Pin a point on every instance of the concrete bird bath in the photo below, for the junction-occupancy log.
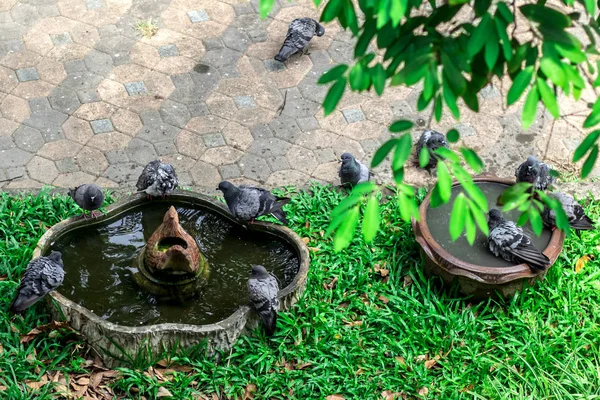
(156, 275)
(477, 271)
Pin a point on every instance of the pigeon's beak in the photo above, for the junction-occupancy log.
(340, 160)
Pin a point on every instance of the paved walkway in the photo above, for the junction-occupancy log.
(84, 98)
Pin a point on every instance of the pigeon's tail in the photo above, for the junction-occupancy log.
(277, 210)
(20, 304)
(268, 315)
(285, 52)
(72, 192)
(280, 215)
(536, 260)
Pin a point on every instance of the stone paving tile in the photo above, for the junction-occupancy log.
(83, 98)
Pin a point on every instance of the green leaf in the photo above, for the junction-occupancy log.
(383, 151)
(453, 136)
(573, 53)
(455, 77)
(513, 192)
(536, 221)
(369, 31)
(553, 69)
(585, 146)
(436, 199)
(401, 125)
(506, 14)
(350, 201)
(457, 2)
(479, 217)
(407, 205)
(378, 77)
(333, 74)
(501, 31)
(437, 108)
(530, 107)
(546, 16)
(519, 85)
(372, 219)
(481, 6)
(444, 182)
(471, 231)
(492, 49)
(479, 36)
(590, 6)
(397, 11)
(450, 99)
(424, 157)
(383, 13)
(594, 118)
(350, 16)
(548, 97)
(265, 7)
(447, 154)
(523, 218)
(472, 159)
(331, 10)
(343, 235)
(588, 165)
(334, 96)
(402, 151)
(359, 78)
(457, 216)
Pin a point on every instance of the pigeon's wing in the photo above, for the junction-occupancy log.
(167, 178)
(247, 204)
(300, 32)
(545, 180)
(365, 174)
(514, 241)
(148, 176)
(263, 295)
(575, 212)
(40, 278)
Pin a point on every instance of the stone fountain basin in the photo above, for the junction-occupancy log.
(116, 342)
(496, 277)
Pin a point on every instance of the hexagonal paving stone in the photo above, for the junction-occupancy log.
(66, 165)
(274, 65)
(244, 102)
(197, 16)
(213, 140)
(64, 100)
(230, 171)
(28, 139)
(126, 172)
(102, 126)
(353, 115)
(169, 50)
(174, 113)
(141, 151)
(27, 74)
(14, 158)
(60, 39)
(91, 161)
(135, 88)
(42, 170)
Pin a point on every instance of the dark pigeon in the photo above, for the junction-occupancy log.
(352, 172)
(89, 197)
(508, 241)
(299, 34)
(43, 275)
(431, 140)
(262, 292)
(576, 214)
(157, 179)
(248, 202)
(535, 172)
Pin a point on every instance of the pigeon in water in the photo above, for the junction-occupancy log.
(89, 197)
(431, 140)
(43, 275)
(262, 292)
(508, 241)
(157, 179)
(248, 202)
(352, 171)
(299, 34)
(535, 172)
(575, 213)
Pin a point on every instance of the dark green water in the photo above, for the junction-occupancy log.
(98, 265)
(438, 219)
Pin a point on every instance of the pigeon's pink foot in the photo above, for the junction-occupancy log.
(164, 196)
(251, 221)
(149, 197)
(553, 228)
(95, 214)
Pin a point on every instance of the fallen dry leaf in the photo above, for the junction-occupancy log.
(331, 284)
(422, 357)
(163, 363)
(305, 240)
(384, 299)
(3, 278)
(163, 392)
(1, 349)
(334, 397)
(467, 388)
(110, 373)
(36, 385)
(359, 371)
(400, 360)
(95, 379)
(407, 281)
(353, 323)
(430, 363)
(3, 388)
(423, 391)
(303, 366)
(384, 272)
(581, 263)
(182, 368)
(307, 224)
(314, 249)
(389, 395)
(249, 391)
(52, 326)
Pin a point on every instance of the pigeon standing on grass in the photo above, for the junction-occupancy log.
(262, 292)
(299, 34)
(431, 140)
(89, 197)
(352, 172)
(248, 202)
(157, 179)
(43, 275)
(508, 241)
(536, 173)
(575, 213)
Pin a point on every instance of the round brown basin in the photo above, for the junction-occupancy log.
(481, 281)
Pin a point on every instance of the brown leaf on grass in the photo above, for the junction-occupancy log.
(163, 392)
(384, 299)
(389, 395)
(182, 368)
(303, 366)
(214, 396)
(400, 360)
(305, 240)
(331, 284)
(3, 388)
(334, 397)
(423, 391)
(110, 373)
(353, 323)
(1, 349)
(163, 363)
(3, 277)
(14, 329)
(52, 326)
(430, 363)
(31, 357)
(468, 388)
(421, 357)
(384, 272)
(249, 391)
(314, 249)
(581, 262)
(407, 281)
(95, 379)
(37, 384)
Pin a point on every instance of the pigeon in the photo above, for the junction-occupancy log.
(575, 213)
(508, 241)
(535, 172)
(89, 197)
(262, 292)
(431, 140)
(248, 202)
(352, 172)
(157, 179)
(299, 34)
(43, 275)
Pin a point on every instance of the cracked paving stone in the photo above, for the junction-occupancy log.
(60, 39)
(102, 126)
(213, 140)
(230, 171)
(169, 50)
(353, 115)
(135, 88)
(244, 102)
(197, 16)
(27, 74)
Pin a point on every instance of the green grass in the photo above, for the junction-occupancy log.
(543, 344)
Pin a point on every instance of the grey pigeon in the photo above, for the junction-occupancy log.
(248, 202)
(299, 34)
(535, 172)
(508, 241)
(157, 179)
(352, 172)
(575, 213)
(262, 292)
(431, 140)
(43, 275)
(89, 197)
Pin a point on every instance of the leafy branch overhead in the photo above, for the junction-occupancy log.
(454, 50)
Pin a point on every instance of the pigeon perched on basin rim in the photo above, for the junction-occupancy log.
(88, 196)
(352, 172)
(157, 179)
(536, 173)
(299, 34)
(262, 293)
(575, 213)
(432, 140)
(508, 241)
(42, 275)
(248, 202)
